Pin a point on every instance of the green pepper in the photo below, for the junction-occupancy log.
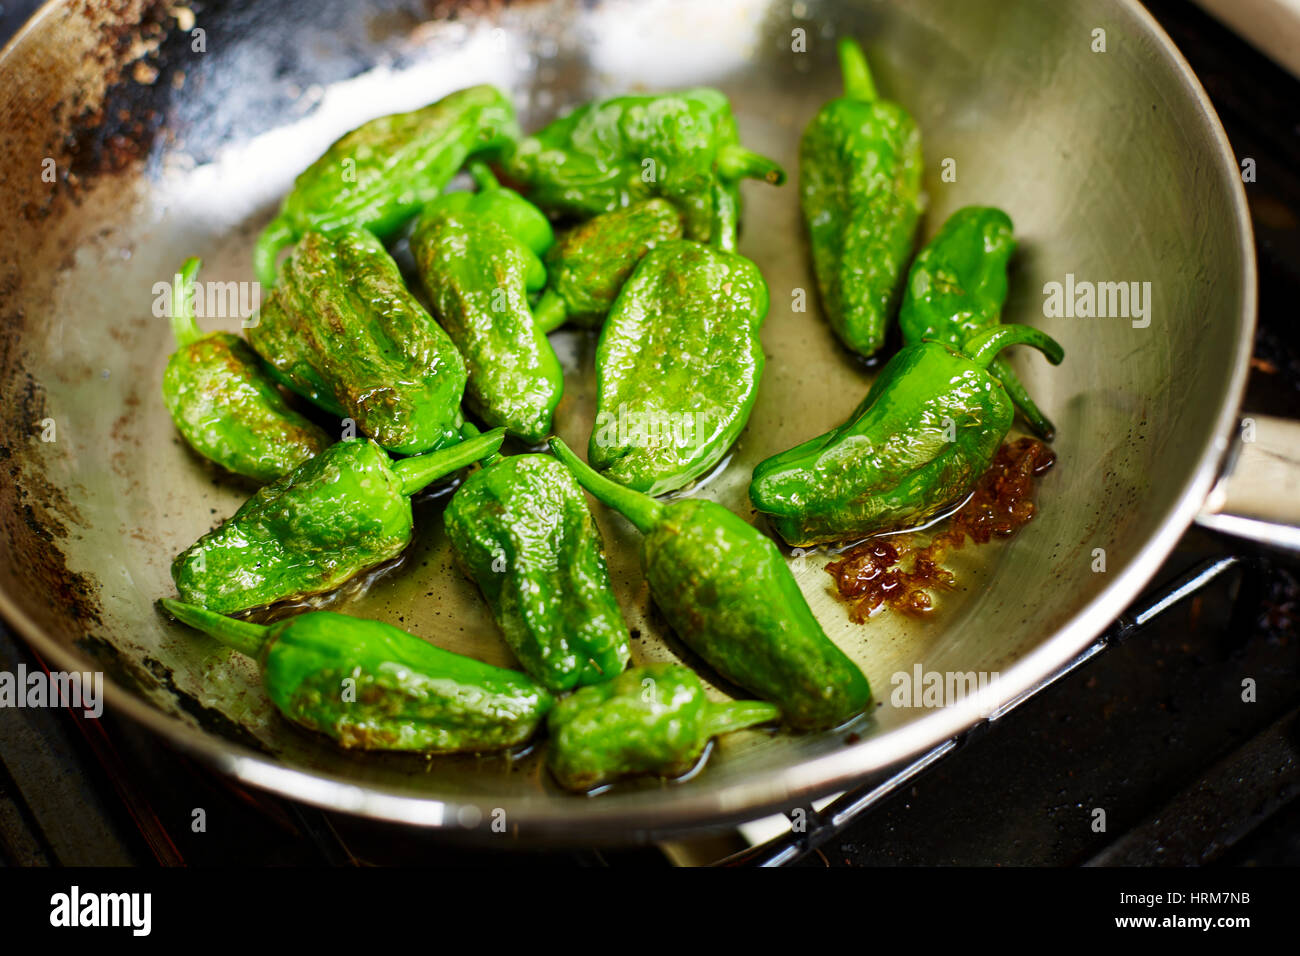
(655, 719)
(860, 187)
(492, 202)
(521, 527)
(914, 447)
(223, 402)
(379, 175)
(371, 686)
(677, 366)
(609, 154)
(478, 257)
(727, 592)
(956, 289)
(334, 516)
(343, 331)
(588, 265)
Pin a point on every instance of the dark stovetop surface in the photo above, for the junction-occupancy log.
(1153, 731)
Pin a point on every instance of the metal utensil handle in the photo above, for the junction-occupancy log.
(1258, 496)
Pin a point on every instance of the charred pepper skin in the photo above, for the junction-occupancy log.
(916, 446)
(612, 153)
(956, 289)
(681, 352)
(728, 593)
(522, 529)
(410, 696)
(655, 719)
(378, 176)
(343, 331)
(478, 258)
(589, 263)
(860, 170)
(334, 516)
(223, 402)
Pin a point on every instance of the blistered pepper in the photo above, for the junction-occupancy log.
(223, 401)
(860, 172)
(956, 288)
(334, 516)
(655, 719)
(677, 366)
(609, 154)
(478, 257)
(379, 175)
(914, 447)
(368, 685)
(589, 263)
(521, 527)
(343, 331)
(727, 592)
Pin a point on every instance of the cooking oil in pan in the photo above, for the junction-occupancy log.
(426, 592)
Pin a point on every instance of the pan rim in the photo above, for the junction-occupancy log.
(648, 815)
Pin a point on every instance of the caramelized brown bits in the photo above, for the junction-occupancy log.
(872, 573)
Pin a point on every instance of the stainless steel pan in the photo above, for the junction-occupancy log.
(1111, 163)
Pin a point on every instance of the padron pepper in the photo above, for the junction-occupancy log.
(404, 694)
(655, 719)
(915, 447)
(589, 263)
(334, 516)
(728, 594)
(478, 257)
(379, 175)
(343, 331)
(521, 527)
(956, 288)
(677, 366)
(609, 154)
(223, 401)
(860, 172)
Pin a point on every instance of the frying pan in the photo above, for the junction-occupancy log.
(165, 142)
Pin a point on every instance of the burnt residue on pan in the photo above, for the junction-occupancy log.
(210, 719)
(119, 131)
(107, 123)
(142, 54)
(34, 512)
(91, 101)
(77, 112)
(152, 676)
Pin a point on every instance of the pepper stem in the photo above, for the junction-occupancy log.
(550, 312)
(482, 175)
(736, 162)
(423, 470)
(984, 348)
(184, 326)
(469, 430)
(244, 636)
(1039, 423)
(858, 84)
(642, 510)
(725, 217)
(278, 234)
(737, 715)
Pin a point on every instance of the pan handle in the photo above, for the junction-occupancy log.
(1258, 495)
